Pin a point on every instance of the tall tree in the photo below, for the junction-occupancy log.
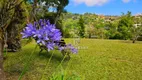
(7, 10)
(137, 28)
(52, 10)
(124, 25)
(14, 28)
(82, 26)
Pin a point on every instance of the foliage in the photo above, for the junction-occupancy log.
(112, 32)
(47, 9)
(124, 26)
(99, 26)
(82, 27)
(90, 30)
(137, 28)
(70, 28)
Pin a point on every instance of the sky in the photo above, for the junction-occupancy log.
(105, 7)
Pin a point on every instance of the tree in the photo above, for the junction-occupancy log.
(14, 28)
(70, 26)
(111, 30)
(90, 30)
(7, 12)
(82, 27)
(99, 25)
(124, 26)
(52, 10)
(137, 28)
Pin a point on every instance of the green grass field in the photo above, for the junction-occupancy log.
(96, 60)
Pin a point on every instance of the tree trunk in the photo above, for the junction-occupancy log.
(133, 40)
(2, 75)
(89, 35)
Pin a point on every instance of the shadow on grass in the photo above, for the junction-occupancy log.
(130, 42)
(57, 56)
(15, 62)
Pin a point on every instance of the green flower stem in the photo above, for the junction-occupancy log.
(46, 66)
(26, 65)
(62, 61)
(61, 64)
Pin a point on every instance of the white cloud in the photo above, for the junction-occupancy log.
(91, 2)
(97, 2)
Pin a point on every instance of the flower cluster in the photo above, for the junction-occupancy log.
(68, 48)
(45, 34)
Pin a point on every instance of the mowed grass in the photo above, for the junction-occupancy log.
(96, 60)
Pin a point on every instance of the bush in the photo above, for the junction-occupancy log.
(139, 38)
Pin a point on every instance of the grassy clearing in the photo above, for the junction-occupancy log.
(96, 60)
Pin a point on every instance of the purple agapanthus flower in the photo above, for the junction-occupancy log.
(43, 32)
(69, 48)
(72, 49)
(46, 35)
(29, 31)
(50, 45)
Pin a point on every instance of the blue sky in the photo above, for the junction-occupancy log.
(106, 7)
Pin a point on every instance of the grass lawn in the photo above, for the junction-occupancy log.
(96, 60)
